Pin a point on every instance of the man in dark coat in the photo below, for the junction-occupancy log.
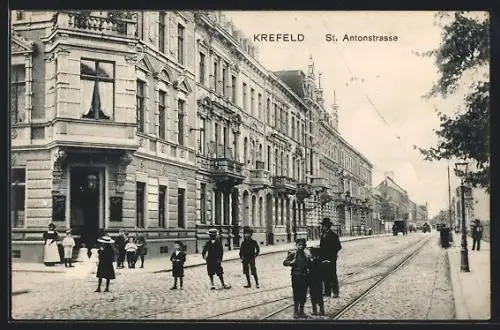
(329, 249)
(477, 234)
(249, 250)
(120, 242)
(212, 253)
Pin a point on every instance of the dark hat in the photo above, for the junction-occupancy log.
(105, 240)
(179, 243)
(247, 229)
(52, 225)
(477, 221)
(300, 240)
(212, 232)
(326, 221)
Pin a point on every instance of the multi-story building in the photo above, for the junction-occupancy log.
(422, 216)
(395, 201)
(165, 123)
(339, 175)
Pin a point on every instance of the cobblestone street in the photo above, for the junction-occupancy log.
(138, 294)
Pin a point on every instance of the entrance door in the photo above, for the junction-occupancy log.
(85, 204)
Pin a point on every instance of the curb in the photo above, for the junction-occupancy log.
(201, 263)
(461, 312)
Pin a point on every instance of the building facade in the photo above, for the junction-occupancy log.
(166, 124)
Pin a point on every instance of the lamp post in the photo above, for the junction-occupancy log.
(464, 264)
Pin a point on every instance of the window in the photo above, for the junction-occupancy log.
(162, 195)
(19, 15)
(203, 203)
(216, 76)
(161, 36)
(202, 68)
(268, 110)
(252, 101)
(244, 96)
(181, 192)
(216, 131)
(233, 88)
(180, 122)
(269, 158)
(140, 106)
(201, 137)
(97, 88)
(161, 109)
(293, 128)
(18, 196)
(224, 87)
(259, 106)
(180, 44)
(275, 115)
(17, 92)
(140, 191)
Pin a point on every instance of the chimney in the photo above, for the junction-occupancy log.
(389, 174)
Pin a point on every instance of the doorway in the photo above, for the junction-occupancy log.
(86, 207)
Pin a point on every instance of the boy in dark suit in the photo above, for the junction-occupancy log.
(300, 261)
(316, 282)
(249, 250)
(212, 253)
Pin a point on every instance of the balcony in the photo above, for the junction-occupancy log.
(119, 25)
(284, 185)
(227, 171)
(304, 190)
(259, 176)
(319, 183)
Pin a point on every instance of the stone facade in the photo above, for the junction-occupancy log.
(166, 124)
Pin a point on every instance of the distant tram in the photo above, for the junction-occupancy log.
(400, 227)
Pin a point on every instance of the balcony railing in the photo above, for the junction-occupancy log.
(227, 166)
(321, 183)
(285, 184)
(304, 190)
(96, 24)
(259, 177)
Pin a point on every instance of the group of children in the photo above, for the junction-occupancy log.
(306, 269)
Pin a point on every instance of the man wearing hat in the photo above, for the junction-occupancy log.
(329, 249)
(68, 243)
(249, 250)
(477, 234)
(212, 253)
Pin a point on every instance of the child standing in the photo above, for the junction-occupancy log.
(94, 255)
(249, 250)
(316, 282)
(142, 248)
(300, 261)
(178, 259)
(68, 244)
(83, 254)
(212, 253)
(131, 249)
(105, 267)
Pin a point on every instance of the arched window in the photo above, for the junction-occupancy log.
(245, 151)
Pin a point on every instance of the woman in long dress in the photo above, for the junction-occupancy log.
(50, 250)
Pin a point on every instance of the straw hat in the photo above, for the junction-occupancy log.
(212, 232)
(106, 240)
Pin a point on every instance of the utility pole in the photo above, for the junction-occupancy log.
(449, 198)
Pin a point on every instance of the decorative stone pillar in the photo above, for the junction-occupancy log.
(121, 172)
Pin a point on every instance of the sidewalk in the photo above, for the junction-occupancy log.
(163, 264)
(472, 290)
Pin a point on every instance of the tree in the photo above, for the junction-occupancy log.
(464, 49)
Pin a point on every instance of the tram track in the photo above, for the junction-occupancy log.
(254, 306)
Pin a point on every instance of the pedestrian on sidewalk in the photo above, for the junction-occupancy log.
(316, 282)
(68, 244)
(105, 267)
(477, 234)
(329, 249)
(213, 253)
(50, 250)
(94, 257)
(444, 235)
(300, 261)
(249, 250)
(142, 248)
(120, 242)
(131, 249)
(178, 259)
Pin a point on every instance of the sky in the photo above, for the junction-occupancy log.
(389, 74)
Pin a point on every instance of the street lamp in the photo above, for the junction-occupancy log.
(464, 265)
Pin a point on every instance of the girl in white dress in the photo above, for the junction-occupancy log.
(94, 258)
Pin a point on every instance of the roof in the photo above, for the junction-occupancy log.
(293, 79)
